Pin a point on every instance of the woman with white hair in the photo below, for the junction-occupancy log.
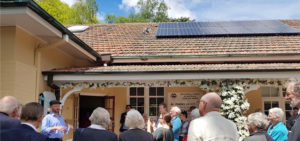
(135, 122)
(176, 122)
(257, 123)
(100, 120)
(277, 129)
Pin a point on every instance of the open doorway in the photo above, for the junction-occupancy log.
(86, 107)
(86, 104)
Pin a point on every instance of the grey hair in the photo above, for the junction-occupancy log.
(259, 120)
(277, 112)
(176, 109)
(100, 116)
(134, 119)
(295, 85)
(8, 104)
(195, 114)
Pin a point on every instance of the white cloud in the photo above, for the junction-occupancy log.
(212, 10)
(69, 2)
(128, 4)
(181, 8)
(100, 16)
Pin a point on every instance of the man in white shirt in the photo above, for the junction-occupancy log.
(212, 126)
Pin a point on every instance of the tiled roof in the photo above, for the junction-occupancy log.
(182, 68)
(129, 40)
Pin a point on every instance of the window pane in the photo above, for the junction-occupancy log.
(265, 91)
(160, 91)
(152, 91)
(141, 109)
(140, 91)
(152, 111)
(160, 100)
(267, 105)
(140, 101)
(274, 92)
(133, 101)
(132, 91)
(283, 92)
(152, 102)
(275, 104)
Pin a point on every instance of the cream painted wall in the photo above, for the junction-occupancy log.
(22, 66)
(120, 94)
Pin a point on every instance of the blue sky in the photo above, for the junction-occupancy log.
(210, 10)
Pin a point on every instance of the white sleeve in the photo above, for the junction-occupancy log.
(194, 133)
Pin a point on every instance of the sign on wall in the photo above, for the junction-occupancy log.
(184, 100)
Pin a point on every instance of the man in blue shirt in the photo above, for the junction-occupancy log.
(176, 122)
(53, 124)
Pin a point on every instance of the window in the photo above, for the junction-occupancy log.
(137, 100)
(146, 99)
(156, 96)
(274, 97)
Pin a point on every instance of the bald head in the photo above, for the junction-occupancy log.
(8, 104)
(213, 100)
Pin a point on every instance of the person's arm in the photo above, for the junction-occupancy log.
(46, 129)
(176, 126)
(157, 134)
(193, 132)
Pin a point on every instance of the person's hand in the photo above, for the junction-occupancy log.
(61, 128)
(70, 126)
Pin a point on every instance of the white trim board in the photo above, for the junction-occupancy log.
(173, 76)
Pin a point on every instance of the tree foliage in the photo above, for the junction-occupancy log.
(148, 11)
(82, 12)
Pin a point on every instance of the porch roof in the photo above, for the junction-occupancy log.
(179, 68)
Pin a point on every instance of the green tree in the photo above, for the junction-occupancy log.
(86, 11)
(161, 14)
(110, 18)
(59, 10)
(147, 8)
(122, 19)
(181, 19)
(82, 12)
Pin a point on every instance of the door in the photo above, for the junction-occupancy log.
(110, 106)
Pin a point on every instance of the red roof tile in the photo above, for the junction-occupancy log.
(129, 40)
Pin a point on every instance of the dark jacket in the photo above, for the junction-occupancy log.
(89, 134)
(122, 122)
(294, 135)
(22, 133)
(259, 136)
(7, 122)
(135, 135)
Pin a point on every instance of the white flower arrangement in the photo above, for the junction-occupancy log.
(233, 106)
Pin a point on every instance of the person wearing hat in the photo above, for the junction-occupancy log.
(53, 124)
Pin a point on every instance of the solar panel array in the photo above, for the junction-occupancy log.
(228, 28)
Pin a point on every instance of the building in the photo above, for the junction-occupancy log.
(129, 64)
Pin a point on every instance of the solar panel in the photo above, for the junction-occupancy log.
(228, 28)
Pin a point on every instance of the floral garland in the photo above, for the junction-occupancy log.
(234, 106)
(205, 84)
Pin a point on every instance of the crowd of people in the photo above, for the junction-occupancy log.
(198, 124)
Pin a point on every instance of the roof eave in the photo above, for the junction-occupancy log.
(46, 16)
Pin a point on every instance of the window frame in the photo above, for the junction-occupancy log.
(147, 98)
